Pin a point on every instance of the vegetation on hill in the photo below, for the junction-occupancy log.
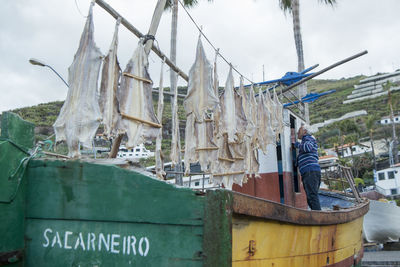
(327, 107)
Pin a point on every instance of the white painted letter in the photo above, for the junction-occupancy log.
(129, 244)
(106, 244)
(67, 233)
(124, 245)
(146, 251)
(57, 239)
(79, 241)
(91, 237)
(114, 243)
(48, 230)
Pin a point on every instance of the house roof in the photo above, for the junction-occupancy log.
(388, 117)
(346, 145)
(327, 157)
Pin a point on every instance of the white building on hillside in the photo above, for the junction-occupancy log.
(387, 120)
(137, 152)
(349, 150)
(388, 181)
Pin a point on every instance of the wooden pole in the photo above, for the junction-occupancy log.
(156, 125)
(155, 21)
(136, 32)
(137, 77)
(323, 70)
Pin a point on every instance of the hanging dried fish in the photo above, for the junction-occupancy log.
(80, 115)
(231, 165)
(200, 95)
(250, 140)
(176, 140)
(254, 145)
(266, 133)
(279, 114)
(160, 173)
(270, 104)
(190, 142)
(200, 98)
(108, 88)
(217, 110)
(136, 101)
(228, 110)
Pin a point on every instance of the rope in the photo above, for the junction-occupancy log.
(20, 170)
(77, 7)
(215, 49)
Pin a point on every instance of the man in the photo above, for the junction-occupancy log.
(310, 170)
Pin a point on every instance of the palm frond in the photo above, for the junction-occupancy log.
(286, 5)
(328, 2)
(187, 3)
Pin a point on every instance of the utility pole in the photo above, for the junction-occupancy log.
(388, 85)
(263, 73)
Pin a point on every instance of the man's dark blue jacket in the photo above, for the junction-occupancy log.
(308, 154)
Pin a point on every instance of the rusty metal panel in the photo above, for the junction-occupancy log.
(267, 187)
(246, 205)
(246, 188)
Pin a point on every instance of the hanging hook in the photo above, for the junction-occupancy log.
(201, 31)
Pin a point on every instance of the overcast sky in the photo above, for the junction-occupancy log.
(249, 33)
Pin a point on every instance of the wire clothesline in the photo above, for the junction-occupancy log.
(215, 49)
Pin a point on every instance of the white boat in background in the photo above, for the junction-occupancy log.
(138, 152)
(381, 223)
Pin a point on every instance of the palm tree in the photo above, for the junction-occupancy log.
(293, 7)
(388, 85)
(369, 124)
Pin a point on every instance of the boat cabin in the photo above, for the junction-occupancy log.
(138, 152)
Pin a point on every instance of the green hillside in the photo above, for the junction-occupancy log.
(327, 107)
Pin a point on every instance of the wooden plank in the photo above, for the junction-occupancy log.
(17, 130)
(206, 148)
(226, 159)
(149, 244)
(217, 237)
(272, 243)
(228, 173)
(87, 191)
(140, 120)
(137, 77)
(246, 205)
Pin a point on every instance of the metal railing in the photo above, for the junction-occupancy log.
(203, 178)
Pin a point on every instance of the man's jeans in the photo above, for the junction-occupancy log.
(311, 183)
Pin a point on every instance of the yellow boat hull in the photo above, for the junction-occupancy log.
(270, 243)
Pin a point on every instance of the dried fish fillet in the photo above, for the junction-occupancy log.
(250, 139)
(254, 145)
(228, 110)
(279, 114)
(200, 96)
(160, 173)
(176, 141)
(200, 99)
(190, 142)
(136, 100)
(231, 167)
(217, 110)
(266, 133)
(80, 115)
(108, 88)
(270, 104)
